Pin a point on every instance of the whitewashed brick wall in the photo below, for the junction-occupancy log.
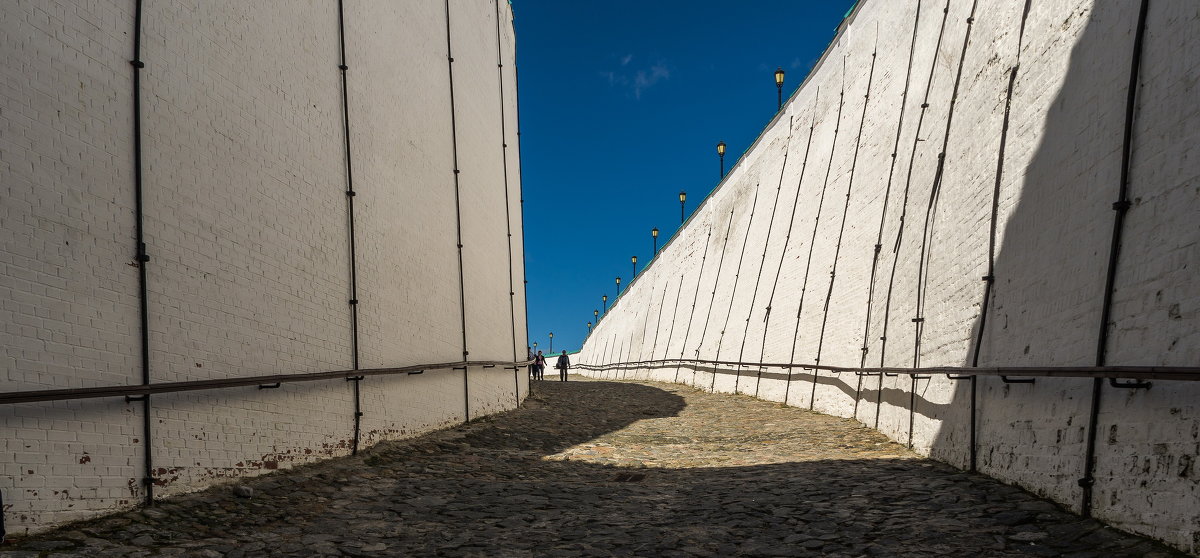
(1061, 176)
(247, 229)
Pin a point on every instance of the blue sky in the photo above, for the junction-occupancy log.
(622, 104)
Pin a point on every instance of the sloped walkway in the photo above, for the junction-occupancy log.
(591, 468)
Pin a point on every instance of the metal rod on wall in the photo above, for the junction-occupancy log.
(646, 324)
(1166, 373)
(832, 151)
(846, 209)
(812, 241)
(658, 319)
(787, 238)
(882, 222)
(695, 297)
(512, 293)
(674, 316)
(736, 278)
(1121, 206)
(141, 256)
(139, 390)
(787, 148)
(350, 193)
(521, 192)
(462, 296)
(990, 278)
(918, 320)
(716, 281)
(924, 259)
(887, 307)
(604, 351)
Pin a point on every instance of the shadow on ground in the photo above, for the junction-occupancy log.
(488, 489)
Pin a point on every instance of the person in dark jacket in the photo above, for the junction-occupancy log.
(529, 357)
(539, 366)
(562, 365)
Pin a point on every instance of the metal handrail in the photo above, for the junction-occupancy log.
(1175, 373)
(222, 383)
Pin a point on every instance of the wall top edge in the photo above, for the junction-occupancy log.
(847, 20)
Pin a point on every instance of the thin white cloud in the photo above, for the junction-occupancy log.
(635, 81)
(646, 79)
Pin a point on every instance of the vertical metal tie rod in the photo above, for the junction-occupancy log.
(141, 256)
(990, 278)
(695, 297)
(787, 238)
(837, 123)
(736, 278)
(342, 67)
(845, 210)
(787, 148)
(462, 295)
(904, 212)
(1120, 207)
(512, 293)
(674, 316)
(716, 281)
(924, 258)
(882, 221)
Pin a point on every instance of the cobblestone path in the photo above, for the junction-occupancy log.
(591, 468)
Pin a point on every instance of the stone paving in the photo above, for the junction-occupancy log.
(590, 468)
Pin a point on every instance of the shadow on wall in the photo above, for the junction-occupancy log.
(1051, 264)
(1061, 176)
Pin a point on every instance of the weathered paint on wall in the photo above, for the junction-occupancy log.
(246, 219)
(752, 277)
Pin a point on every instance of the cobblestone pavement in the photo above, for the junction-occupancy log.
(591, 468)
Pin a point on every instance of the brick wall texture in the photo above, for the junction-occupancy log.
(246, 216)
(777, 264)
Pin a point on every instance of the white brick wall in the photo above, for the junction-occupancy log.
(1061, 175)
(247, 229)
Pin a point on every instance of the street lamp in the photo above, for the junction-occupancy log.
(604, 299)
(634, 260)
(779, 87)
(721, 155)
(551, 342)
(596, 313)
(654, 233)
(535, 347)
(618, 286)
(589, 328)
(682, 198)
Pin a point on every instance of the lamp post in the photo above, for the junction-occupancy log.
(551, 342)
(721, 155)
(589, 328)
(779, 87)
(604, 299)
(618, 286)
(634, 260)
(654, 233)
(682, 198)
(535, 347)
(596, 313)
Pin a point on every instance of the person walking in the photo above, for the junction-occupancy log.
(532, 362)
(539, 366)
(562, 365)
